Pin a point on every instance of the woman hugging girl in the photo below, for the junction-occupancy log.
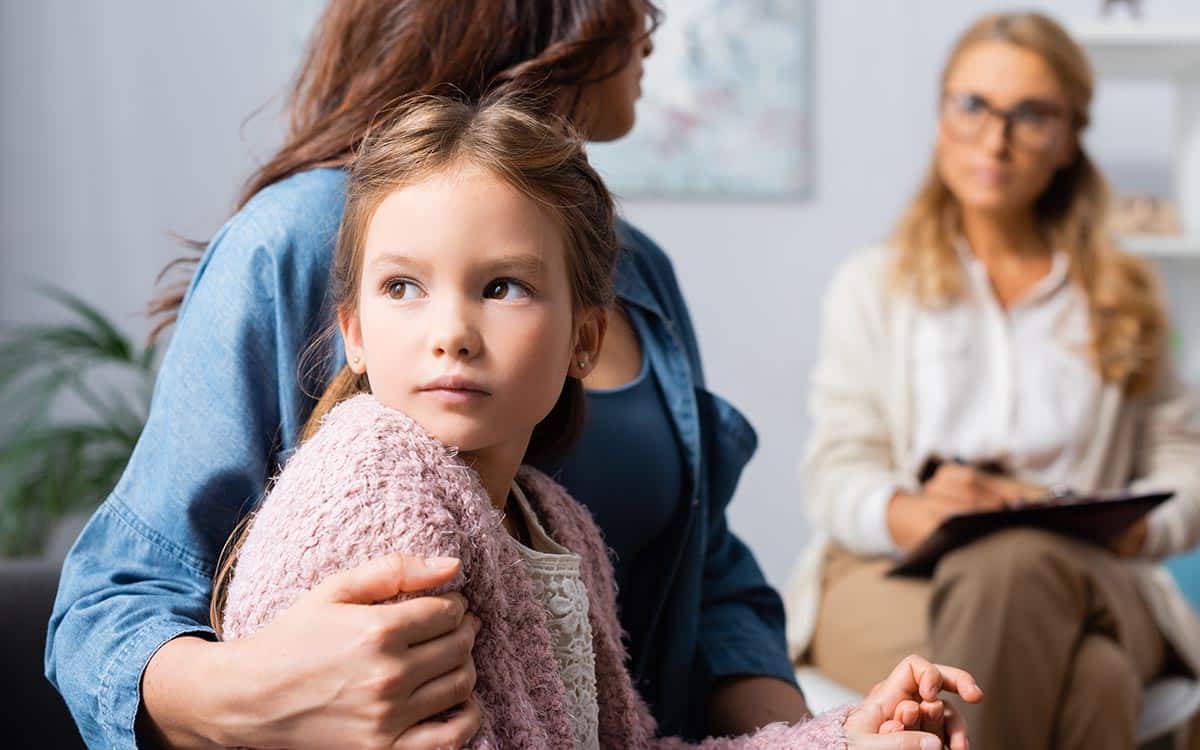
(472, 274)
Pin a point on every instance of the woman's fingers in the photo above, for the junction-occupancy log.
(445, 692)
(916, 678)
(931, 679)
(385, 577)
(932, 717)
(452, 734)
(894, 741)
(908, 713)
(432, 659)
(417, 621)
(868, 717)
(956, 730)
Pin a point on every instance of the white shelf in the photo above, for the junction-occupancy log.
(1141, 49)
(1159, 246)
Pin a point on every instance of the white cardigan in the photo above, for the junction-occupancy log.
(861, 403)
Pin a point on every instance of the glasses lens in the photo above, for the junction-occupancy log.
(1035, 130)
(964, 114)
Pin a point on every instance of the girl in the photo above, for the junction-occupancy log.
(1001, 325)
(471, 277)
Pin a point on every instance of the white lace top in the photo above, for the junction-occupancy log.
(554, 571)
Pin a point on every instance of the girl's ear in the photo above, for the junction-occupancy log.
(356, 358)
(590, 328)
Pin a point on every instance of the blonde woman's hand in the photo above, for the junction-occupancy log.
(905, 712)
(972, 489)
(955, 488)
(1131, 543)
(336, 669)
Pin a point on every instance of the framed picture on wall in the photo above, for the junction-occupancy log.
(725, 108)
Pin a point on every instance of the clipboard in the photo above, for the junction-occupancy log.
(1098, 519)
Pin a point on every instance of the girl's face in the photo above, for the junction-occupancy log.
(1004, 129)
(465, 319)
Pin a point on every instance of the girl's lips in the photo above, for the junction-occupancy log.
(454, 390)
(455, 396)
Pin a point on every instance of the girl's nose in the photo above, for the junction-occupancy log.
(454, 334)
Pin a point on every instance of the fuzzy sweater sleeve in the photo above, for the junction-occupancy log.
(362, 487)
(824, 732)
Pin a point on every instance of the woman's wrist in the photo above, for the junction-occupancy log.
(899, 519)
(189, 690)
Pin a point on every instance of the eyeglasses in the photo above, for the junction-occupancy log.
(1031, 124)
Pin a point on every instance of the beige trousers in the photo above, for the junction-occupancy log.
(1054, 630)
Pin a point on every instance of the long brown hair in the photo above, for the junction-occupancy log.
(367, 55)
(509, 137)
(1126, 314)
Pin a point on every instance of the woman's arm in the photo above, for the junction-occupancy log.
(741, 633)
(139, 575)
(740, 705)
(226, 400)
(903, 712)
(311, 679)
(849, 470)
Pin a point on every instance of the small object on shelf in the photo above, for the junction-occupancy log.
(1135, 7)
(1144, 214)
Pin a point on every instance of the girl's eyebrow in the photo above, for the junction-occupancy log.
(518, 264)
(527, 264)
(393, 259)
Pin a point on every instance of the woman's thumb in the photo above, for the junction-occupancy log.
(895, 741)
(385, 577)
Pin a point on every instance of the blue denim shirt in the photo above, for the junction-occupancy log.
(232, 394)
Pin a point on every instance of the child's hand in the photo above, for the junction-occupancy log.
(904, 712)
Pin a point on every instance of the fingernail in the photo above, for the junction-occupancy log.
(931, 743)
(441, 563)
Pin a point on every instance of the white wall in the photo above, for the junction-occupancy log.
(123, 121)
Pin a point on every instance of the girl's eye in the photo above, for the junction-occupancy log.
(506, 289)
(401, 289)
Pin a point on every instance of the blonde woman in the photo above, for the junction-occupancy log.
(1001, 327)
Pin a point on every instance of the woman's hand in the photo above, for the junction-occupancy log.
(969, 488)
(955, 488)
(1131, 543)
(904, 711)
(336, 669)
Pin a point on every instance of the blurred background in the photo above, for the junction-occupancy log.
(123, 122)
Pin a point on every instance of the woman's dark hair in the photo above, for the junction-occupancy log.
(365, 56)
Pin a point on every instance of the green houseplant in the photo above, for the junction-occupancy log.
(73, 401)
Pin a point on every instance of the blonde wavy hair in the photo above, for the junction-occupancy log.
(1126, 312)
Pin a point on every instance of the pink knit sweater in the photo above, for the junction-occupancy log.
(371, 482)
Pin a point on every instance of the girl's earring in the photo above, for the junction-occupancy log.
(357, 359)
(583, 363)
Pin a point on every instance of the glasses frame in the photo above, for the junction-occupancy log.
(1008, 119)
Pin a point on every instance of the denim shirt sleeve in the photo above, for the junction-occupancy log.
(225, 405)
